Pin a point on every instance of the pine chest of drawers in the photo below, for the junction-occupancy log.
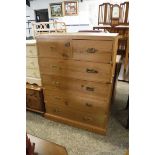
(77, 71)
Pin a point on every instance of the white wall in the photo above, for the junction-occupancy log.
(88, 13)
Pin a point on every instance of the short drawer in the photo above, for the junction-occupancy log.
(31, 51)
(55, 49)
(32, 73)
(91, 50)
(98, 72)
(52, 82)
(99, 119)
(32, 63)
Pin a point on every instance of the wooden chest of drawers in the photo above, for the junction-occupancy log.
(34, 98)
(32, 67)
(77, 73)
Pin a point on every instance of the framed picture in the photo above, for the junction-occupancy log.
(56, 9)
(71, 8)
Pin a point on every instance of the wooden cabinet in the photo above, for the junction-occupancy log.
(32, 67)
(77, 73)
(34, 98)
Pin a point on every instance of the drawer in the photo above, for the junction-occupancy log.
(33, 94)
(55, 49)
(99, 119)
(77, 101)
(32, 73)
(52, 82)
(33, 103)
(98, 72)
(91, 50)
(31, 51)
(32, 63)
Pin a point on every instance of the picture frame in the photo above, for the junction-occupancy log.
(70, 8)
(56, 9)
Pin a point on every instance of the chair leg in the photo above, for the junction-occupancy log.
(126, 61)
(127, 106)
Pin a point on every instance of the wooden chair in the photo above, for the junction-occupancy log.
(124, 13)
(115, 14)
(104, 14)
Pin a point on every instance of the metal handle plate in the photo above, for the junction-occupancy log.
(67, 44)
(88, 105)
(91, 70)
(91, 50)
(90, 88)
(86, 118)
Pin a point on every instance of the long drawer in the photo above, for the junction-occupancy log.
(32, 63)
(55, 49)
(99, 119)
(91, 50)
(52, 82)
(98, 72)
(77, 101)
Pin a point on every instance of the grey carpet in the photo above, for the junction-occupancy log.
(81, 142)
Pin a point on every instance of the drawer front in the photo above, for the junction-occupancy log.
(32, 93)
(31, 51)
(32, 63)
(77, 101)
(98, 72)
(90, 50)
(55, 49)
(99, 119)
(33, 103)
(52, 82)
(32, 73)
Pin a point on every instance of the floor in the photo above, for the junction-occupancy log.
(81, 142)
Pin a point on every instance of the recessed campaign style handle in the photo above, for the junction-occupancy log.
(91, 70)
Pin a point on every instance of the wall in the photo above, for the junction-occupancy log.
(86, 19)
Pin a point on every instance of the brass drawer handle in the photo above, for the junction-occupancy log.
(56, 83)
(66, 103)
(67, 44)
(52, 47)
(86, 118)
(32, 94)
(89, 105)
(91, 50)
(55, 67)
(90, 88)
(57, 98)
(64, 55)
(56, 110)
(91, 70)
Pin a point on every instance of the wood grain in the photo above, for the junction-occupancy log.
(98, 72)
(78, 88)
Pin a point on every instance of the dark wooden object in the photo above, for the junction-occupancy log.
(30, 147)
(104, 13)
(44, 147)
(34, 98)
